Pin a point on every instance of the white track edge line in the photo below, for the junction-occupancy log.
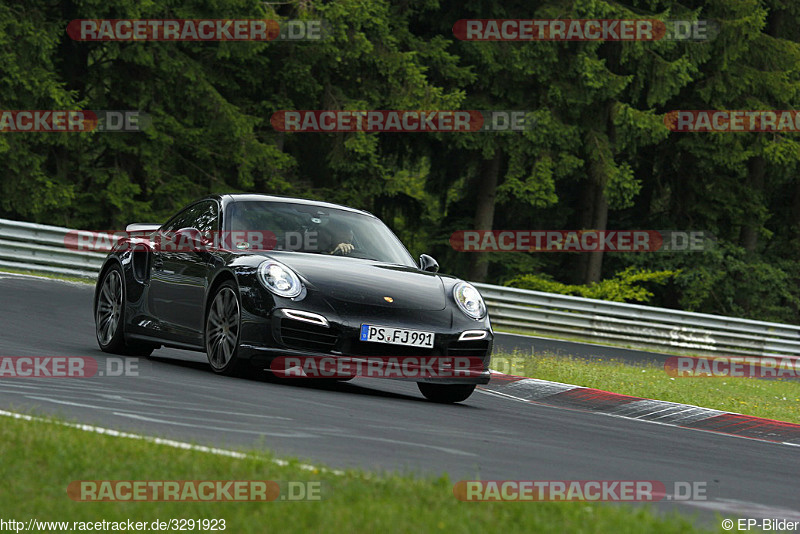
(168, 442)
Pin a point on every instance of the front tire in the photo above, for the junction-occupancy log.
(223, 329)
(446, 393)
(109, 317)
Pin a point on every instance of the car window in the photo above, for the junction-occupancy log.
(206, 217)
(202, 216)
(316, 230)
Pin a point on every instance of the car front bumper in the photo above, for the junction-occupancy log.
(282, 335)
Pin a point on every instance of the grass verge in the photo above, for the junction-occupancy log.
(774, 398)
(48, 275)
(40, 459)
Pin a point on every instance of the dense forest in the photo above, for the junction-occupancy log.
(599, 157)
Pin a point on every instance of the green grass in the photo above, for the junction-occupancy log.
(773, 399)
(40, 459)
(48, 275)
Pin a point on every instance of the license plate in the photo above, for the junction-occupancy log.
(396, 336)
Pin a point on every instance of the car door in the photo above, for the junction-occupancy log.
(180, 273)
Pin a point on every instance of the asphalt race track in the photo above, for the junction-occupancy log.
(377, 424)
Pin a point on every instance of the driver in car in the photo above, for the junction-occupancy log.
(340, 239)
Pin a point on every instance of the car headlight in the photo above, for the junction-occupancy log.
(279, 279)
(469, 300)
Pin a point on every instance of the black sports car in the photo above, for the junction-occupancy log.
(265, 277)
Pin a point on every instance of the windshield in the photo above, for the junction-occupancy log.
(267, 225)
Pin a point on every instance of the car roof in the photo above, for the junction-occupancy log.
(255, 197)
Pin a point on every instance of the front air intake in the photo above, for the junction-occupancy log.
(307, 336)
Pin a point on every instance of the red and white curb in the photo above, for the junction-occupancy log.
(669, 413)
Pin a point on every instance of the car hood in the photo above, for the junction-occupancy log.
(368, 282)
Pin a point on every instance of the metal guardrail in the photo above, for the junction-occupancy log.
(636, 325)
(42, 248)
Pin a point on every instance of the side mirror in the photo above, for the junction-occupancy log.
(190, 239)
(427, 263)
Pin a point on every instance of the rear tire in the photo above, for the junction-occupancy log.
(109, 317)
(446, 393)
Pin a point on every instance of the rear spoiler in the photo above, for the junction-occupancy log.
(142, 227)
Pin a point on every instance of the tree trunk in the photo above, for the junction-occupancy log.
(594, 265)
(599, 212)
(484, 212)
(748, 235)
(795, 226)
(585, 222)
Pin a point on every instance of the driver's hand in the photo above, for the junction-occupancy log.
(343, 248)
